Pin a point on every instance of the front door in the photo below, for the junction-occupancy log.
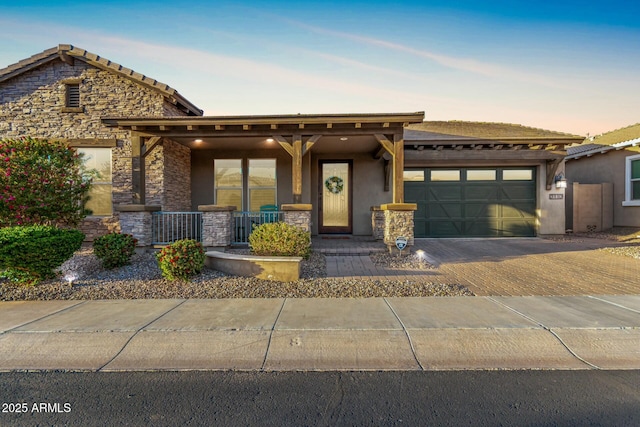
(334, 194)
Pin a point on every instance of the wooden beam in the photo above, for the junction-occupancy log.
(329, 125)
(274, 126)
(246, 127)
(307, 145)
(149, 145)
(192, 127)
(137, 170)
(386, 144)
(300, 125)
(552, 168)
(398, 168)
(65, 58)
(296, 165)
(387, 174)
(284, 144)
(219, 127)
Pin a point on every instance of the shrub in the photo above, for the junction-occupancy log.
(280, 239)
(29, 254)
(114, 249)
(181, 260)
(42, 182)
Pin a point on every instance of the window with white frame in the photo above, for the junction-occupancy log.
(100, 194)
(632, 181)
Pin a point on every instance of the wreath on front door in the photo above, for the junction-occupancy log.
(335, 184)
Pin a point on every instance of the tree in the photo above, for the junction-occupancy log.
(42, 182)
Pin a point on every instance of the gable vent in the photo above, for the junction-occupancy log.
(73, 96)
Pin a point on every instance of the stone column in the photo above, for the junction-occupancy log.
(217, 226)
(377, 222)
(398, 221)
(136, 220)
(298, 214)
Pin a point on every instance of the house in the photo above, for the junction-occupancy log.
(603, 174)
(165, 168)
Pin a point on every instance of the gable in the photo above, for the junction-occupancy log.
(70, 55)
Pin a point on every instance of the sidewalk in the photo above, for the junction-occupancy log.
(439, 333)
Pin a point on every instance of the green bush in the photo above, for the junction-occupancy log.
(280, 239)
(32, 253)
(181, 259)
(114, 249)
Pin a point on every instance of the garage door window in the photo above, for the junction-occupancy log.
(445, 175)
(481, 175)
(413, 176)
(517, 175)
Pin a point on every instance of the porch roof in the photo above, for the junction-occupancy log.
(178, 128)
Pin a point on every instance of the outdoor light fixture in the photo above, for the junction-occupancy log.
(197, 141)
(344, 138)
(560, 181)
(269, 139)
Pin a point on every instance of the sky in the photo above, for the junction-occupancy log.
(568, 66)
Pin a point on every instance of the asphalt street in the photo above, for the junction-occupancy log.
(490, 398)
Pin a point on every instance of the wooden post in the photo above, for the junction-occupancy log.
(296, 164)
(137, 170)
(398, 168)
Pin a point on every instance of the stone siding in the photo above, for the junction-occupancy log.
(301, 219)
(396, 224)
(377, 223)
(31, 105)
(138, 224)
(97, 226)
(217, 223)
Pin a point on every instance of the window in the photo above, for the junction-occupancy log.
(445, 175)
(228, 182)
(262, 183)
(517, 175)
(632, 181)
(481, 175)
(100, 202)
(413, 176)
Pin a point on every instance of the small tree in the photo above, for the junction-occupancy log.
(42, 182)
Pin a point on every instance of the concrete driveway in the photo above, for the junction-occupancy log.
(532, 266)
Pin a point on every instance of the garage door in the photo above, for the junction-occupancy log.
(473, 202)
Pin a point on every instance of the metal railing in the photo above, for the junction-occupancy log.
(243, 223)
(167, 227)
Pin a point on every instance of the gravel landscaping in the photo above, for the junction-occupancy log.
(628, 237)
(143, 279)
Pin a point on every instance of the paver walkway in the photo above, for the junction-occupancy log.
(529, 266)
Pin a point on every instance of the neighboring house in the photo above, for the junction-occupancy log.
(157, 152)
(603, 174)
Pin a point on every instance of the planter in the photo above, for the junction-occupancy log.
(277, 268)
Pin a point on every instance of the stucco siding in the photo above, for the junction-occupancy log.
(601, 168)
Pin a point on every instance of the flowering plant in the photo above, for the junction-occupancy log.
(181, 259)
(42, 182)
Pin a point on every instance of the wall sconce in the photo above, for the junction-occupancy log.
(560, 181)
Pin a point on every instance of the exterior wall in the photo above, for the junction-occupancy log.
(202, 174)
(368, 189)
(551, 212)
(603, 168)
(592, 207)
(31, 103)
